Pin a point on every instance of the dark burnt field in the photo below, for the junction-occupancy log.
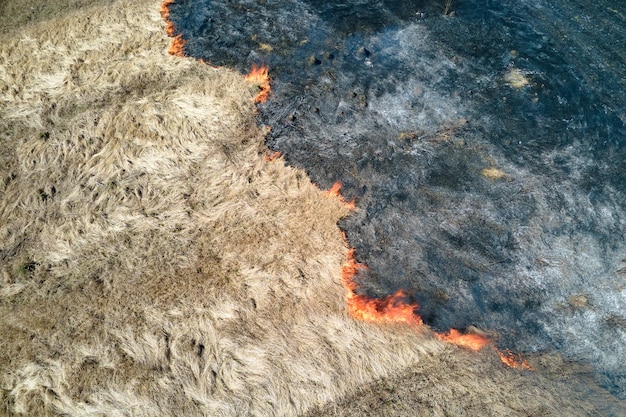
(485, 148)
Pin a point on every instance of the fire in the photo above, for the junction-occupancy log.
(469, 341)
(335, 193)
(260, 77)
(389, 309)
(476, 342)
(178, 42)
(513, 360)
(176, 48)
(273, 155)
(170, 29)
(395, 309)
(165, 11)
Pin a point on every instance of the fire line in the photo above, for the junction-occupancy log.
(335, 191)
(395, 309)
(389, 309)
(260, 77)
(178, 42)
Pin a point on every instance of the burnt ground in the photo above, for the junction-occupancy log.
(485, 150)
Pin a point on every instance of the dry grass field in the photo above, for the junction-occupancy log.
(154, 263)
(17, 14)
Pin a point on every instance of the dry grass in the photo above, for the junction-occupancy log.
(152, 262)
(17, 14)
(463, 383)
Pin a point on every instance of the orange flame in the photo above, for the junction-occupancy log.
(469, 341)
(273, 155)
(476, 342)
(513, 360)
(170, 29)
(260, 77)
(178, 42)
(165, 11)
(395, 309)
(389, 309)
(335, 193)
(177, 46)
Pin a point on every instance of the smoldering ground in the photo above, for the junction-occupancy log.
(154, 263)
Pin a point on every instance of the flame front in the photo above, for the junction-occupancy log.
(395, 309)
(273, 155)
(178, 43)
(335, 191)
(389, 309)
(513, 360)
(476, 342)
(469, 341)
(260, 76)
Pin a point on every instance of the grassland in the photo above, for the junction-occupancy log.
(18, 14)
(153, 262)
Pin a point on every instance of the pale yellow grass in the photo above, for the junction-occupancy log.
(18, 13)
(152, 263)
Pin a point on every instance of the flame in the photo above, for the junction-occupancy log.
(273, 155)
(164, 10)
(389, 309)
(395, 309)
(334, 192)
(513, 360)
(260, 77)
(476, 342)
(176, 48)
(469, 341)
(170, 29)
(178, 43)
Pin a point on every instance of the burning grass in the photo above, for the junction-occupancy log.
(178, 43)
(389, 309)
(152, 261)
(395, 308)
(259, 77)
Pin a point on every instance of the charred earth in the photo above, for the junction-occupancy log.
(485, 149)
